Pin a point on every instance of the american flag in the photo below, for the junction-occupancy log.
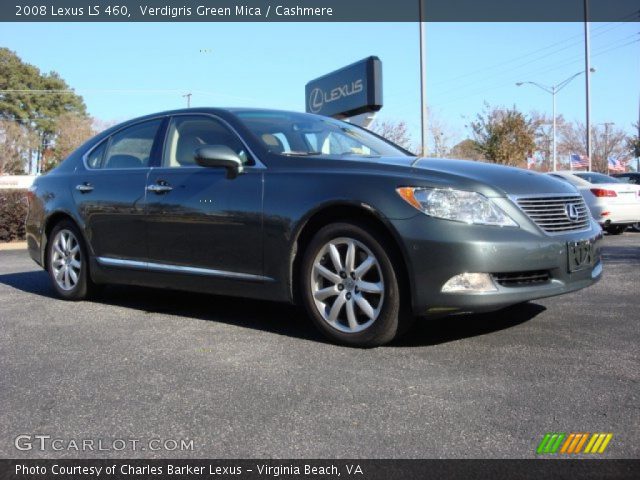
(616, 165)
(579, 161)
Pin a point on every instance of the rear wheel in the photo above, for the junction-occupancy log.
(616, 229)
(67, 262)
(350, 287)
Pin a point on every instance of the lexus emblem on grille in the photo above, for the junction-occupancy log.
(572, 212)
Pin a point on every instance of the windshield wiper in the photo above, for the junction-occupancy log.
(366, 155)
(300, 154)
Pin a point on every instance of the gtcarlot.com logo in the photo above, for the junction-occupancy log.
(28, 442)
(574, 443)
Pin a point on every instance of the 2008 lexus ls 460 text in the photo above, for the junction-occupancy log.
(301, 208)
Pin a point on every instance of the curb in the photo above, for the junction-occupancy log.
(13, 246)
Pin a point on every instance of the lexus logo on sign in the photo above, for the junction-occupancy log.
(318, 98)
(572, 212)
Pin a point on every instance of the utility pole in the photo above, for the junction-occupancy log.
(605, 149)
(423, 82)
(587, 68)
(188, 95)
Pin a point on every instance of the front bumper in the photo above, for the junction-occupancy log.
(437, 250)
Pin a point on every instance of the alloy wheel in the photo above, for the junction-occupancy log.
(66, 260)
(347, 285)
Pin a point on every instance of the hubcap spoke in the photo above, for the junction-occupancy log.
(351, 316)
(73, 275)
(365, 306)
(335, 257)
(326, 273)
(351, 257)
(370, 287)
(364, 267)
(326, 293)
(336, 307)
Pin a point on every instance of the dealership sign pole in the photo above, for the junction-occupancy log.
(423, 83)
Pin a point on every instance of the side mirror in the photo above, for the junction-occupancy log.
(219, 156)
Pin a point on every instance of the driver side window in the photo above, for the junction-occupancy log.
(187, 133)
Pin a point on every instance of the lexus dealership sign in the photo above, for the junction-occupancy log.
(349, 91)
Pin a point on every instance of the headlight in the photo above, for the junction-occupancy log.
(456, 205)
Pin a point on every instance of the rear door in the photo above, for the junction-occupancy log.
(197, 218)
(110, 190)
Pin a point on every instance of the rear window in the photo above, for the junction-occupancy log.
(593, 177)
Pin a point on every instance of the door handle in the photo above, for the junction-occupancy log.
(159, 188)
(84, 187)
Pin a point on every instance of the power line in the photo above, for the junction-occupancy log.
(558, 66)
(617, 24)
(502, 73)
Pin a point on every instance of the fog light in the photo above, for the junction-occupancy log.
(470, 282)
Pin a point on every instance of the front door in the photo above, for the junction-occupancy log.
(198, 220)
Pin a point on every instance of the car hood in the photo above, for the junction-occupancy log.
(488, 178)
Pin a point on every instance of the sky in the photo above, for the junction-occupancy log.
(126, 70)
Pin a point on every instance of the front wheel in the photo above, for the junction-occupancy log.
(67, 262)
(635, 227)
(350, 287)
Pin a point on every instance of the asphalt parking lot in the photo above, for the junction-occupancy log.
(249, 379)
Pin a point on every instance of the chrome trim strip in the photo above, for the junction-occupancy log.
(162, 267)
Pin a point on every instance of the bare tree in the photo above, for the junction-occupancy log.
(439, 137)
(71, 131)
(633, 142)
(16, 144)
(544, 137)
(606, 141)
(396, 132)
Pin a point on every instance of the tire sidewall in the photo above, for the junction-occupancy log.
(81, 289)
(385, 327)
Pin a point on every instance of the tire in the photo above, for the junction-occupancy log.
(616, 229)
(358, 305)
(67, 262)
(635, 227)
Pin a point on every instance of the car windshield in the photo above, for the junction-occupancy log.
(301, 134)
(593, 177)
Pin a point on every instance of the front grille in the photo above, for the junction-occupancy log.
(550, 213)
(522, 279)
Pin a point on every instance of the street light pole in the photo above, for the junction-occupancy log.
(553, 89)
(587, 69)
(553, 94)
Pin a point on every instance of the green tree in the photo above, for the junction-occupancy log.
(504, 136)
(35, 99)
(466, 150)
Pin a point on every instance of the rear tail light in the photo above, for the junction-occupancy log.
(601, 192)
